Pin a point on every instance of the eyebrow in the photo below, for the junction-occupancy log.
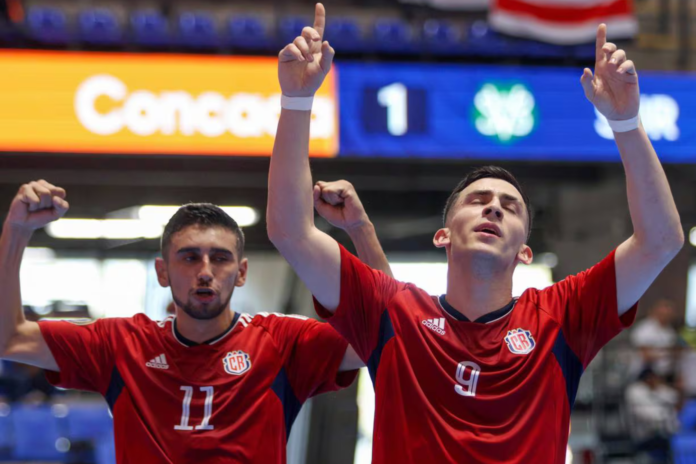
(504, 196)
(198, 250)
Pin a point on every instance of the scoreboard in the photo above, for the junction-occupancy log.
(494, 112)
(193, 105)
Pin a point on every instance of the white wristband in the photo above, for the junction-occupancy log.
(296, 103)
(625, 125)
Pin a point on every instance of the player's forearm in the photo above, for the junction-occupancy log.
(656, 224)
(290, 210)
(12, 245)
(368, 247)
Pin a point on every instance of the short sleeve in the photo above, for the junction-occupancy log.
(316, 356)
(83, 353)
(586, 306)
(365, 294)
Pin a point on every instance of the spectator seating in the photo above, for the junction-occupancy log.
(99, 26)
(48, 25)
(207, 29)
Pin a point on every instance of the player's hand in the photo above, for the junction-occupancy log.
(303, 64)
(613, 89)
(35, 205)
(338, 203)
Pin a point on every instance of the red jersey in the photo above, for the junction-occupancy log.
(231, 399)
(498, 389)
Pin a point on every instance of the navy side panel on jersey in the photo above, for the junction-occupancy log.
(570, 365)
(116, 385)
(386, 332)
(291, 405)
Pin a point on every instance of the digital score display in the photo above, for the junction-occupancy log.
(495, 112)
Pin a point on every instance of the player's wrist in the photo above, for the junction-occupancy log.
(17, 231)
(624, 125)
(361, 227)
(296, 103)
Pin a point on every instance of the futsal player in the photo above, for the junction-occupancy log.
(474, 375)
(208, 385)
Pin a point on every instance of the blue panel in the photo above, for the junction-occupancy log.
(386, 332)
(570, 365)
(500, 113)
(116, 385)
(291, 405)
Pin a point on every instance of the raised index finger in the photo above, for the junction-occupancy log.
(601, 40)
(320, 19)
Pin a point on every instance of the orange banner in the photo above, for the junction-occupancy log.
(149, 104)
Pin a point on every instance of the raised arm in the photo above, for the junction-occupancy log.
(302, 67)
(657, 231)
(338, 203)
(35, 205)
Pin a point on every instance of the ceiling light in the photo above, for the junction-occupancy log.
(103, 228)
(692, 236)
(243, 215)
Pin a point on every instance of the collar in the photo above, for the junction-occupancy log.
(185, 341)
(485, 319)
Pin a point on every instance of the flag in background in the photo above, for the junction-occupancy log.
(563, 22)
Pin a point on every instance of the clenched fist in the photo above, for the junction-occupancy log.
(338, 203)
(35, 205)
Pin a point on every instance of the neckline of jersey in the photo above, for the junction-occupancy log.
(190, 343)
(485, 319)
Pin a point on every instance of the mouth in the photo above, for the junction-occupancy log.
(489, 229)
(204, 294)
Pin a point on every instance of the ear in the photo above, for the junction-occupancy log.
(162, 274)
(525, 255)
(242, 273)
(442, 238)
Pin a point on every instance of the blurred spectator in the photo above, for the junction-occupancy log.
(652, 409)
(657, 340)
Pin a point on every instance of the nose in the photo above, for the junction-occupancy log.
(205, 273)
(493, 209)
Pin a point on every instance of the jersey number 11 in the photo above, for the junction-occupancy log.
(188, 395)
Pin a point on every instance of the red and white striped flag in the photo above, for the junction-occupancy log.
(563, 22)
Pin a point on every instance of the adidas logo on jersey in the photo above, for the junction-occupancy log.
(437, 325)
(160, 362)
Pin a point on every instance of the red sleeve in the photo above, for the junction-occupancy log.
(365, 294)
(83, 354)
(586, 306)
(316, 356)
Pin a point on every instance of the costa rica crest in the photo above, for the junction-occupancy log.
(236, 362)
(520, 341)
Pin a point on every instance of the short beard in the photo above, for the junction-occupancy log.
(204, 313)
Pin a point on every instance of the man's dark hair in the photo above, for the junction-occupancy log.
(484, 172)
(203, 215)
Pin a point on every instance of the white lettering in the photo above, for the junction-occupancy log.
(659, 114)
(86, 96)
(141, 113)
(208, 114)
(211, 114)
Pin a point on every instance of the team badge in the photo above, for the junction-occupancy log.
(236, 362)
(520, 341)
